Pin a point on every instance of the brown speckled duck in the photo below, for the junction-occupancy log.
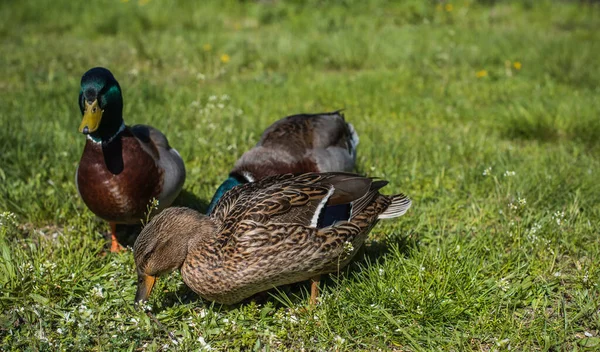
(276, 231)
(122, 168)
(296, 144)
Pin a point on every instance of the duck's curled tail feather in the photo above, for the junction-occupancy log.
(400, 204)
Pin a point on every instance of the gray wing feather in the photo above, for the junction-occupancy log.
(168, 159)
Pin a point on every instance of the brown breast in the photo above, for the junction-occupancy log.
(118, 180)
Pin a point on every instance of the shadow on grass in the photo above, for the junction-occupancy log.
(547, 129)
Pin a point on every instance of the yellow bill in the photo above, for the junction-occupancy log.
(92, 115)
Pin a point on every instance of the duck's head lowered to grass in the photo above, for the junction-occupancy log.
(276, 231)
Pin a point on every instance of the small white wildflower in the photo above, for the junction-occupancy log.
(200, 76)
(381, 272)
(212, 98)
(59, 331)
(512, 206)
(224, 97)
(225, 320)
(585, 278)
(422, 268)
(220, 106)
(97, 291)
(348, 248)
(557, 274)
(487, 171)
(135, 321)
(522, 201)
(587, 334)
(204, 346)
(503, 284)
(7, 219)
(509, 173)
(535, 228)
(339, 340)
(558, 216)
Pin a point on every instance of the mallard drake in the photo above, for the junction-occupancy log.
(296, 144)
(276, 231)
(122, 168)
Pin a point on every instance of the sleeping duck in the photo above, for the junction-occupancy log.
(122, 168)
(296, 144)
(275, 231)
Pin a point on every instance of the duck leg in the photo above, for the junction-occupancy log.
(114, 244)
(314, 289)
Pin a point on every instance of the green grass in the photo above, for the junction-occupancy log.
(485, 260)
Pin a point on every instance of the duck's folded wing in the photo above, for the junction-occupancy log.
(290, 199)
(155, 143)
(282, 249)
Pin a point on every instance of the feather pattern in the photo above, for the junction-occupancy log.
(297, 144)
(263, 234)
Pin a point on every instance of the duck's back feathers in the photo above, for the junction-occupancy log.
(287, 198)
(272, 232)
(296, 144)
(302, 143)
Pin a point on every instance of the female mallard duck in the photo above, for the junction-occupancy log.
(296, 144)
(272, 232)
(122, 168)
